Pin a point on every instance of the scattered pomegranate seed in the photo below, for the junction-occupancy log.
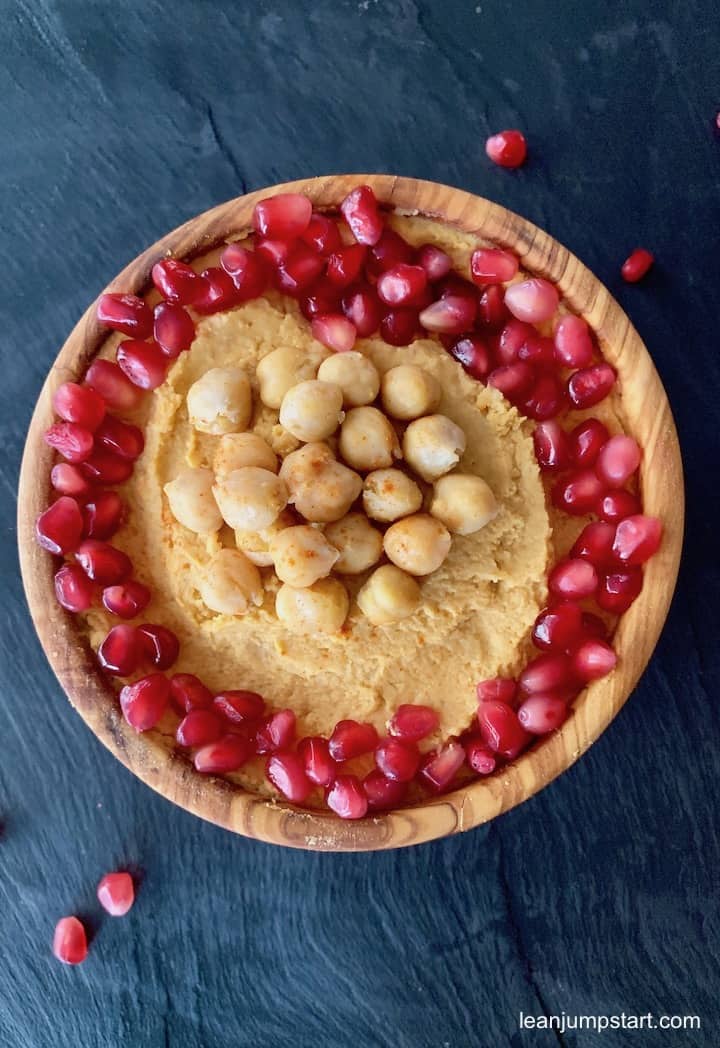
(351, 739)
(102, 515)
(500, 689)
(558, 628)
(125, 313)
(120, 651)
(573, 343)
(436, 262)
(545, 399)
(334, 331)
(362, 308)
(593, 626)
(247, 269)
(501, 730)
(594, 543)
(552, 447)
(593, 659)
(73, 588)
(116, 893)
(103, 467)
(102, 562)
(534, 300)
(360, 211)
(127, 599)
(440, 768)
(479, 756)
(413, 722)
(160, 645)
(322, 234)
(616, 505)
(283, 216)
(637, 539)
(144, 363)
(397, 759)
(286, 772)
(218, 292)
(512, 338)
(473, 354)
(226, 755)
(383, 793)
(347, 798)
(590, 385)
(120, 437)
(114, 387)
(587, 440)
(79, 404)
(492, 265)
(68, 479)
(177, 282)
(578, 493)
(507, 148)
(573, 578)
(239, 707)
(144, 702)
(173, 329)
(73, 442)
(513, 381)
(188, 692)
(618, 590)
(398, 327)
(70, 941)
(345, 265)
(320, 299)
(299, 270)
(538, 351)
(547, 673)
(319, 766)
(637, 265)
(542, 713)
(390, 250)
(402, 284)
(492, 311)
(618, 460)
(59, 528)
(273, 252)
(450, 315)
(276, 733)
(199, 728)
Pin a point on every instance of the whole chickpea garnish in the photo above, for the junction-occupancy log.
(389, 494)
(357, 377)
(280, 370)
(320, 608)
(464, 503)
(312, 410)
(388, 595)
(418, 544)
(320, 487)
(433, 445)
(250, 498)
(220, 401)
(237, 450)
(359, 544)
(231, 584)
(408, 391)
(302, 555)
(192, 502)
(368, 440)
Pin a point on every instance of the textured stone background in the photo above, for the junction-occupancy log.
(118, 122)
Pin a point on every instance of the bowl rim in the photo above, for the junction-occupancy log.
(273, 821)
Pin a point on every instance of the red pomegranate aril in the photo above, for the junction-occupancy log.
(500, 689)
(618, 590)
(127, 599)
(547, 673)
(300, 269)
(360, 211)
(586, 441)
(125, 313)
(104, 467)
(347, 798)
(73, 442)
(492, 265)
(144, 702)
(247, 269)
(351, 739)
(402, 284)
(558, 628)
(70, 941)
(637, 539)
(362, 308)
(573, 343)
(276, 733)
(534, 300)
(102, 562)
(390, 250)
(590, 385)
(68, 479)
(239, 707)
(116, 893)
(552, 447)
(450, 315)
(593, 626)
(286, 772)
(226, 755)
(322, 298)
(593, 659)
(283, 216)
(573, 578)
(198, 728)
(399, 326)
(514, 381)
(578, 493)
(383, 793)
(542, 713)
(500, 729)
(345, 265)
(539, 351)
(334, 331)
(159, 644)
(73, 589)
(512, 338)
(492, 312)
(273, 252)
(618, 460)
(144, 363)
(319, 766)
(413, 722)
(436, 262)
(637, 265)
(102, 515)
(397, 759)
(594, 543)
(79, 404)
(473, 354)
(59, 528)
(173, 329)
(187, 692)
(441, 767)
(176, 281)
(617, 505)
(120, 437)
(545, 399)
(121, 651)
(479, 756)
(218, 292)
(322, 235)
(507, 148)
(118, 392)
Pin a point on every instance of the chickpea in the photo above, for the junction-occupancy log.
(358, 542)
(433, 445)
(312, 410)
(220, 401)
(407, 392)
(320, 487)
(320, 608)
(302, 555)
(256, 544)
(231, 584)
(368, 440)
(280, 370)
(236, 450)
(389, 494)
(417, 544)
(250, 499)
(463, 503)
(192, 502)
(357, 377)
(388, 595)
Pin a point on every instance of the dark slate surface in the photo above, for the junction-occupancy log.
(118, 122)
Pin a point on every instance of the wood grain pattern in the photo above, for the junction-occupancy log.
(650, 419)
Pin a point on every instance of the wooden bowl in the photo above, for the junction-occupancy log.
(649, 418)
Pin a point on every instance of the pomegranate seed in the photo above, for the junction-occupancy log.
(501, 730)
(59, 528)
(500, 689)
(573, 344)
(79, 404)
(239, 707)
(188, 692)
(73, 588)
(144, 363)
(573, 578)
(277, 732)
(390, 250)
(299, 270)
(103, 467)
(593, 659)
(176, 281)
(120, 437)
(578, 493)
(116, 893)
(127, 599)
(144, 702)
(618, 590)
(397, 759)
(538, 350)
(398, 327)
(247, 269)
(492, 265)
(594, 543)
(227, 754)
(319, 766)
(492, 311)
(507, 148)
(334, 331)
(436, 262)
(346, 797)
(440, 768)
(362, 308)
(636, 265)
(102, 562)
(360, 211)
(351, 739)
(199, 728)
(117, 391)
(71, 441)
(173, 329)
(286, 772)
(533, 301)
(618, 460)
(383, 793)
(320, 299)
(69, 480)
(413, 722)
(345, 265)
(552, 447)
(322, 234)
(125, 313)
(545, 399)
(637, 539)
(593, 626)
(401, 285)
(586, 441)
(617, 505)
(513, 381)
(273, 252)
(473, 354)
(542, 713)
(512, 338)
(450, 315)
(283, 216)
(558, 628)
(102, 515)
(479, 756)
(218, 292)
(159, 644)
(547, 673)
(70, 941)
(591, 385)
(120, 651)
